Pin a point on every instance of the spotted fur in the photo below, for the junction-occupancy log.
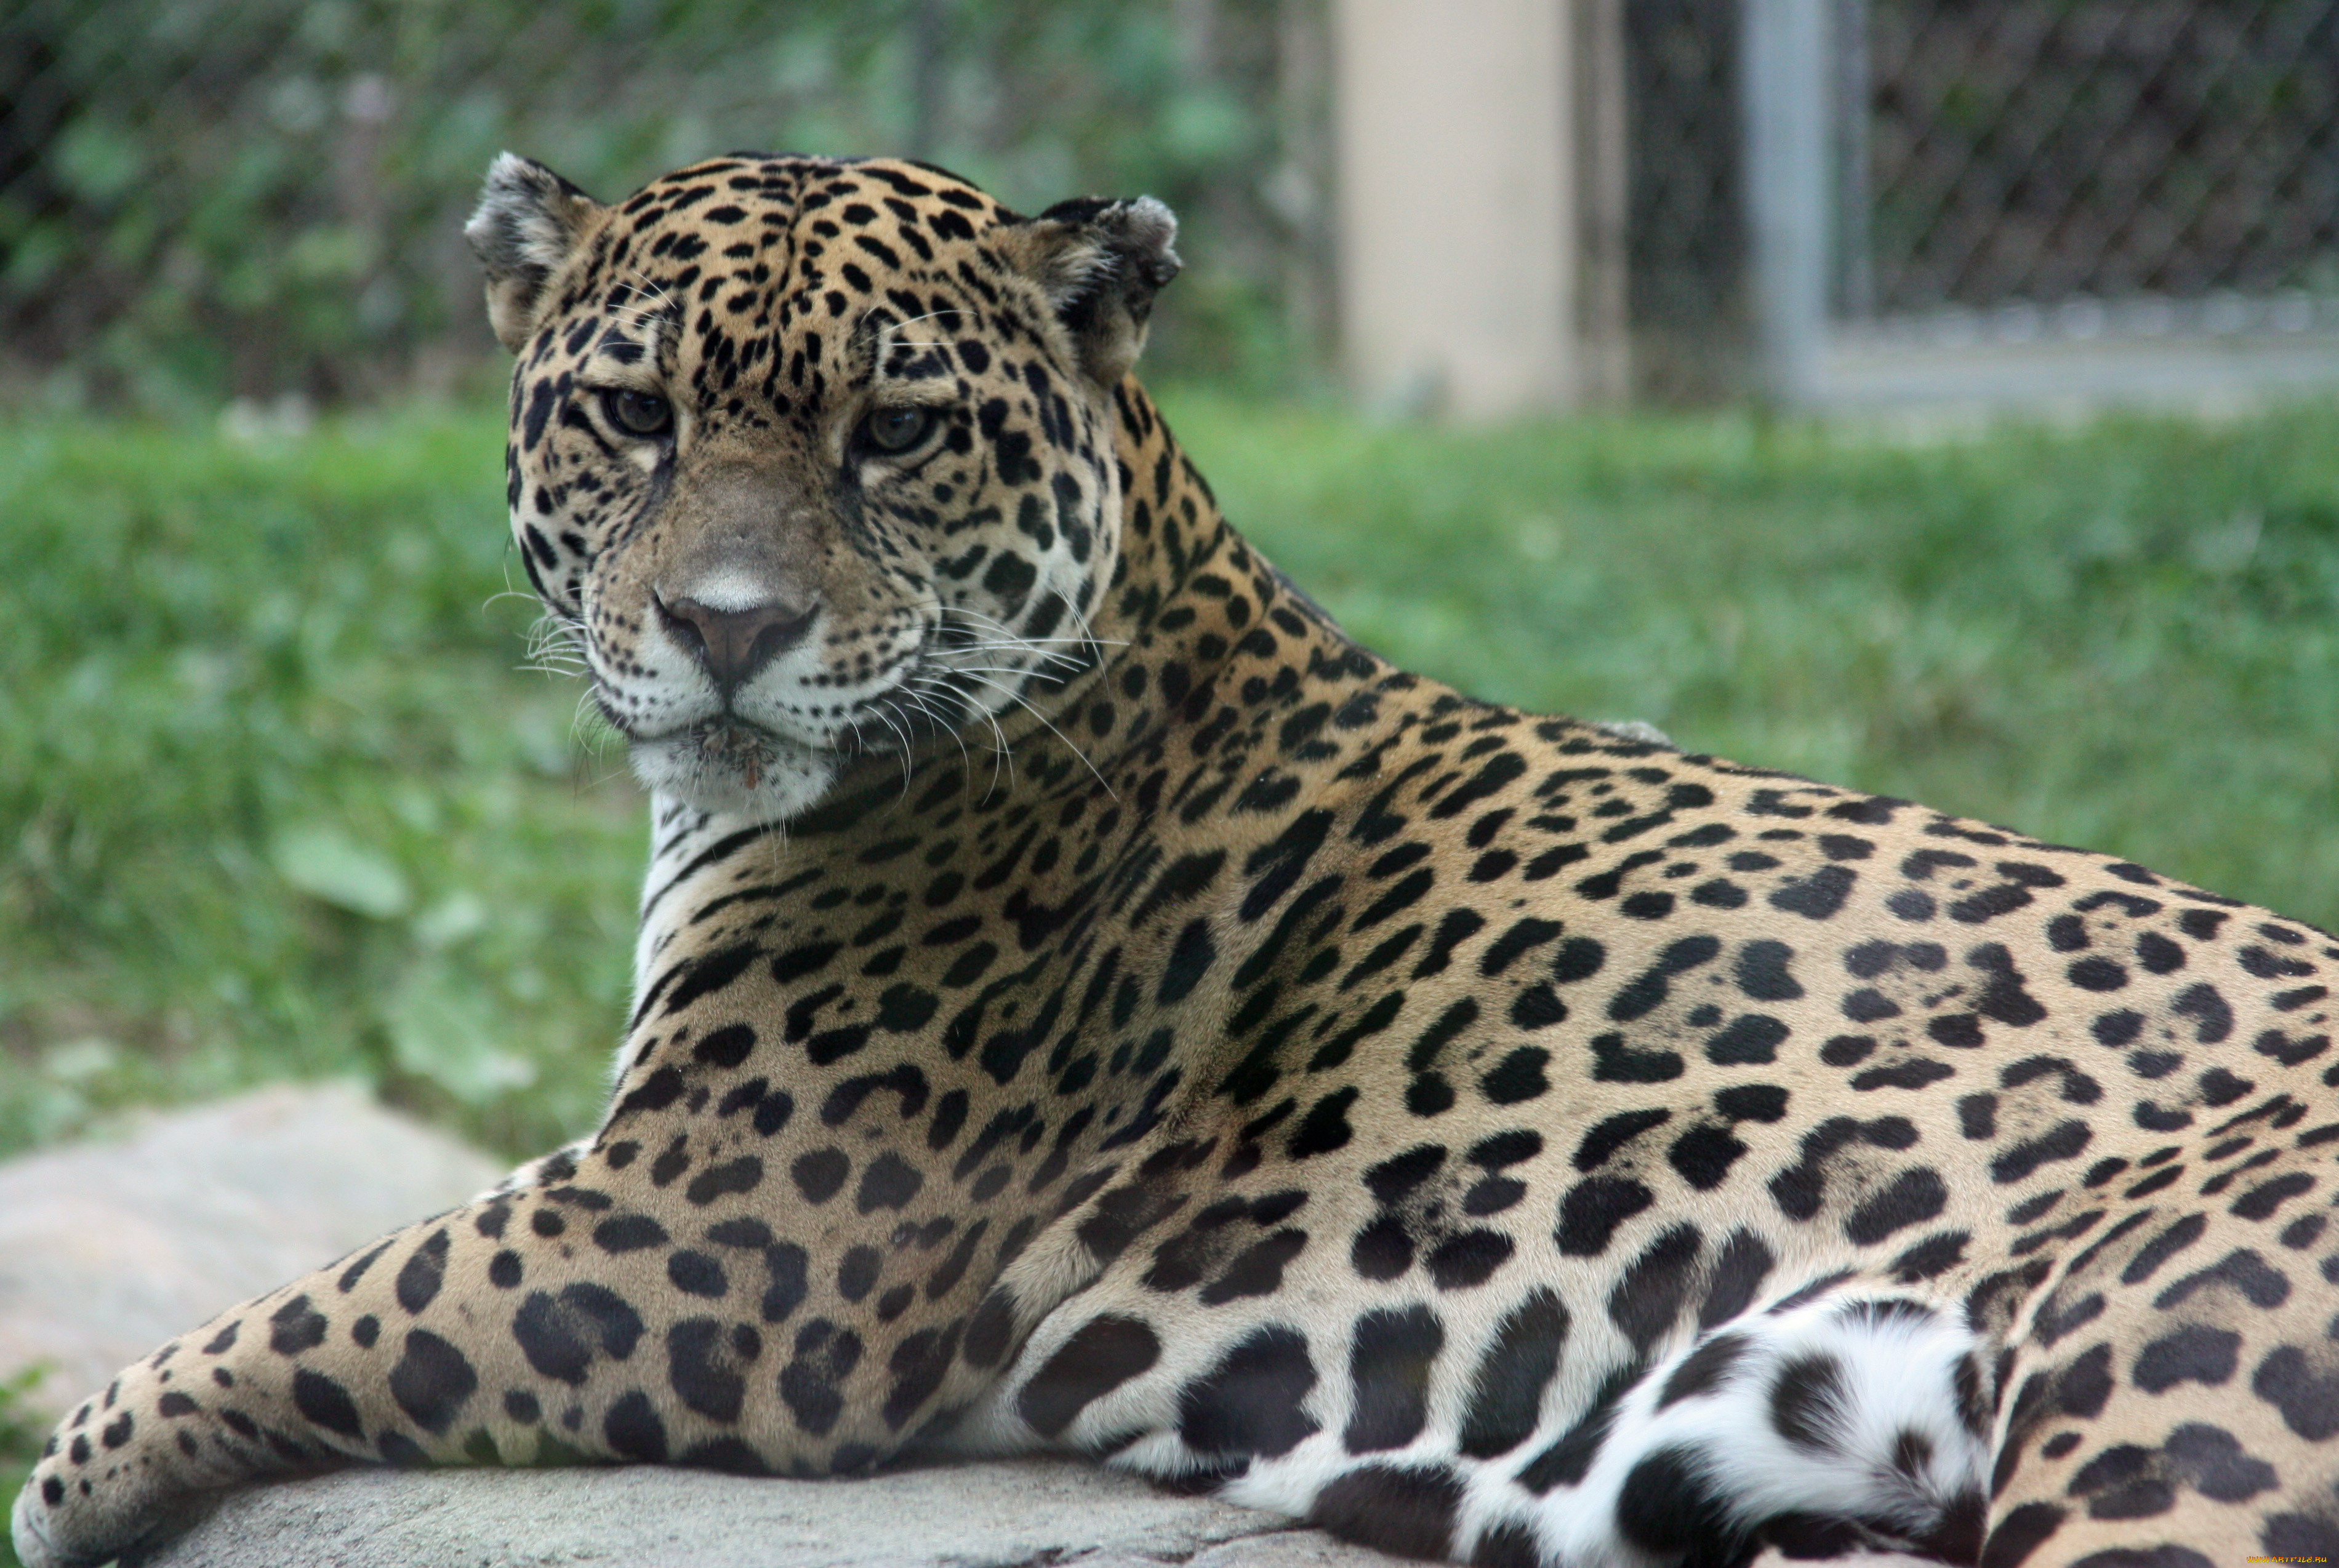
(1085, 1002)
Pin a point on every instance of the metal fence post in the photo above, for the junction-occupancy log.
(1604, 202)
(1784, 95)
(1855, 280)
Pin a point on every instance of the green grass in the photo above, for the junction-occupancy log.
(276, 800)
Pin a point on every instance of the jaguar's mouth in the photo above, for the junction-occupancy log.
(728, 761)
(724, 737)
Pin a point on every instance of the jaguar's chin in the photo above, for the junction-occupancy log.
(732, 769)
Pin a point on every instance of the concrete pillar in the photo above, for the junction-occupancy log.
(1458, 276)
(1784, 97)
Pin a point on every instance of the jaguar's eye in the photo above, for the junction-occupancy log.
(896, 430)
(637, 413)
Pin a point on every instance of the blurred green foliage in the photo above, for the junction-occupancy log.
(210, 198)
(276, 801)
(22, 1433)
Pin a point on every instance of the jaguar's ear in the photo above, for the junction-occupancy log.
(529, 222)
(1100, 264)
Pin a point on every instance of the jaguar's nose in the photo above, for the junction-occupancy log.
(734, 644)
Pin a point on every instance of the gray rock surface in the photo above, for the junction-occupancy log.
(109, 1247)
(1020, 1514)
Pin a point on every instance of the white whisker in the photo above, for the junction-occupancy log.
(1019, 700)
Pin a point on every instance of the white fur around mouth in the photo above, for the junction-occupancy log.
(732, 768)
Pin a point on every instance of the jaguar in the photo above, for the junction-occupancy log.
(1086, 1004)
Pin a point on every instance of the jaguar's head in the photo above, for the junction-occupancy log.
(812, 459)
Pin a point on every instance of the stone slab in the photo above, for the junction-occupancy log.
(1021, 1514)
(111, 1245)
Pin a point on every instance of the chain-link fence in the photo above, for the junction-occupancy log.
(210, 198)
(2071, 172)
(203, 198)
(1685, 234)
(2106, 149)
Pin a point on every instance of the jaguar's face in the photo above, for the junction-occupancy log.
(814, 460)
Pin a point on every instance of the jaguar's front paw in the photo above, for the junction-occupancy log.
(105, 1487)
(59, 1523)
